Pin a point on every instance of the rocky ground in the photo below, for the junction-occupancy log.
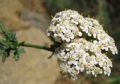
(33, 66)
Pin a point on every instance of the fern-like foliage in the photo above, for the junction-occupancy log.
(9, 44)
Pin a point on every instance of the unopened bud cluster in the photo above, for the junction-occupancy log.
(84, 44)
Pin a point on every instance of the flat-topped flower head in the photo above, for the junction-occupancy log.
(84, 44)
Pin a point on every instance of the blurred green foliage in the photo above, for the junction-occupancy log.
(114, 80)
(106, 11)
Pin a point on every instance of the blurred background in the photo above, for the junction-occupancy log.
(30, 20)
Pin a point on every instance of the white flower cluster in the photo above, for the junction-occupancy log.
(64, 25)
(84, 44)
(82, 55)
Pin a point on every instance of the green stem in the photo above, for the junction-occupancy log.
(35, 46)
